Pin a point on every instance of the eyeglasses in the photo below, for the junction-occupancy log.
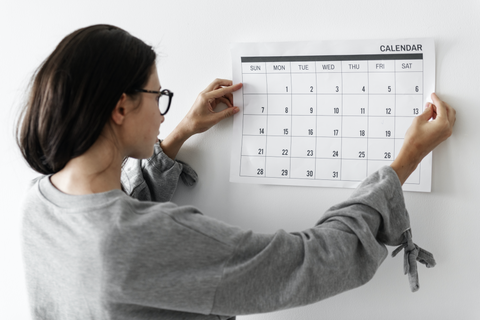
(163, 104)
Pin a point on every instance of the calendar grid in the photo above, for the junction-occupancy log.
(325, 117)
(291, 113)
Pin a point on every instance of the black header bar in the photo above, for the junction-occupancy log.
(399, 56)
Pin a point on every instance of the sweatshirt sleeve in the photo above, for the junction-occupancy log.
(343, 251)
(156, 178)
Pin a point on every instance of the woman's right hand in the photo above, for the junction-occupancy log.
(202, 115)
(426, 132)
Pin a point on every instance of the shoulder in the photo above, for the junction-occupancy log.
(33, 196)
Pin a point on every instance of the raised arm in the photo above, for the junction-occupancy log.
(202, 115)
(192, 263)
(427, 131)
(156, 179)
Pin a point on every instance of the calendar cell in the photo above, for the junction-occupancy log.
(254, 125)
(302, 168)
(304, 105)
(278, 147)
(279, 104)
(278, 167)
(279, 126)
(279, 83)
(303, 147)
(381, 83)
(329, 148)
(329, 126)
(381, 105)
(255, 104)
(303, 83)
(381, 127)
(409, 105)
(355, 127)
(252, 166)
(381, 149)
(329, 83)
(354, 148)
(329, 105)
(304, 126)
(409, 83)
(355, 83)
(355, 105)
(254, 146)
(254, 83)
(328, 169)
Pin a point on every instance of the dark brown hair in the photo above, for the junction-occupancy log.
(74, 91)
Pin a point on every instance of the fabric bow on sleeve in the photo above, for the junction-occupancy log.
(412, 254)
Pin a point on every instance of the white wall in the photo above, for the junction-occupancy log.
(194, 37)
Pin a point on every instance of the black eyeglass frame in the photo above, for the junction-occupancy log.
(164, 92)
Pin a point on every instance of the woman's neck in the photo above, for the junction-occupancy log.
(97, 170)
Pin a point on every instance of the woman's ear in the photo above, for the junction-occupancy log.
(119, 112)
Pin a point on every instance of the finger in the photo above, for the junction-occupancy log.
(217, 83)
(229, 96)
(434, 108)
(428, 113)
(226, 101)
(226, 113)
(222, 91)
(441, 108)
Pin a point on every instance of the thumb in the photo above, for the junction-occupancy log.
(428, 113)
(226, 113)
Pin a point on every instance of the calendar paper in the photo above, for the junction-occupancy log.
(328, 113)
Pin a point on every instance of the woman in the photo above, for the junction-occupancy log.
(93, 250)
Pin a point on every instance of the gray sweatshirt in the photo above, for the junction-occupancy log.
(133, 255)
